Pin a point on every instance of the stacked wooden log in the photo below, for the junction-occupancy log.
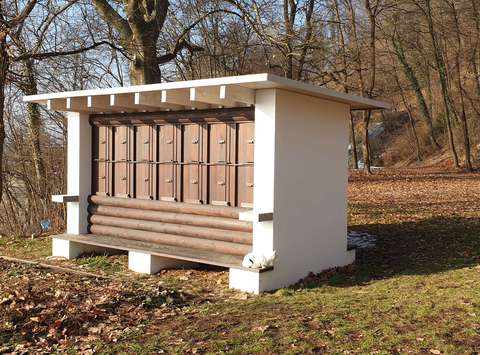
(203, 227)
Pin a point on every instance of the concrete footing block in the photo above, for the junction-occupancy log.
(253, 281)
(71, 250)
(150, 264)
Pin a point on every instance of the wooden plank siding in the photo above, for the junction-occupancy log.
(199, 157)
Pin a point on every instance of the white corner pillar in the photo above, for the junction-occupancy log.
(264, 172)
(79, 171)
(263, 192)
(145, 263)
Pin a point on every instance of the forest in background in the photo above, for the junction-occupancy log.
(423, 56)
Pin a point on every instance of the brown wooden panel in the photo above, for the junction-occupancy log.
(199, 157)
(192, 143)
(219, 185)
(218, 146)
(102, 143)
(101, 178)
(192, 180)
(121, 143)
(167, 181)
(245, 186)
(145, 180)
(121, 179)
(166, 143)
(246, 140)
(145, 143)
(169, 117)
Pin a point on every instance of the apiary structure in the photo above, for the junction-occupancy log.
(206, 171)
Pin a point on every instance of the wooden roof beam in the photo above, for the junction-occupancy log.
(238, 94)
(223, 95)
(153, 100)
(57, 104)
(181, 97)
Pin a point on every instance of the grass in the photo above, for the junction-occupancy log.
(416, 292)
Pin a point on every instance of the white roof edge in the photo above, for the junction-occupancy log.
(334, 95)
(254, 81)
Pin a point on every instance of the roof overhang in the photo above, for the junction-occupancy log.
(233, 91)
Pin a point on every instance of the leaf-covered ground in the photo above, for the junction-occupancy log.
(417, 291)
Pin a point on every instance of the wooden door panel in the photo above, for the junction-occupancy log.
(167, 177)
(219, 185)
(121, 179)
(145, 142)
(192, 183)
(144, 181)
(192, 143)
(101, 143)
(101, 178)
(246, 140)
(167, 143)
(218, 143)
(245, 186)
(121, 146)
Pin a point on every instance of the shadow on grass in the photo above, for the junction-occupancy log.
(412, 248)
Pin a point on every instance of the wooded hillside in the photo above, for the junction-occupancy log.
(423, 56)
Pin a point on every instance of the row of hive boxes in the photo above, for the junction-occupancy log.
(195, 163)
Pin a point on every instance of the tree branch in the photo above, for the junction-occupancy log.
(45, 55)
(112, 17)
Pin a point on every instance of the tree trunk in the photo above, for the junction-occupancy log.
(412, 78)
(354, 142)
(443, 81)
(3, 79)
(29, 87)
(414, 134)
(144, 68)
(366, 142)
(463, 115)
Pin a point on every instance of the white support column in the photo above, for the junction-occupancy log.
(150, 264)
(264, 173)
(263, 192)
(79, 171)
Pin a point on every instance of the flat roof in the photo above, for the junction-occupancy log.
(232, 91)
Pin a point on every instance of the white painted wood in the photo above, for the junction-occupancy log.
(151, 264)
(236, 93)
(64, 198)
(211, 96)
(254, 81)
(99, 103)
(181, 97)
(264, 172)
(77, 104)
(79, 171)
(57, 104)
(154, 100)
(310, 192)
(255, 216)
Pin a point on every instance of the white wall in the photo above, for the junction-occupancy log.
(79, 170)
(310, 195)
(264, 172)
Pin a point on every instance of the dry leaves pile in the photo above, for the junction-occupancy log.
(45, 311)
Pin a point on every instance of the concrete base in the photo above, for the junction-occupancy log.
(71, 250)
(256, 282)
(150, 264)
(251, 281)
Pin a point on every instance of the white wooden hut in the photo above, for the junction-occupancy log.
(206, 171)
